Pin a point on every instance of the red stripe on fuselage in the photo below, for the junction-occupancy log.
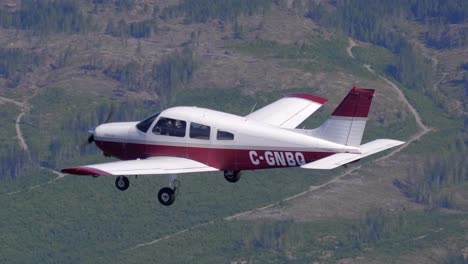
(222, 159)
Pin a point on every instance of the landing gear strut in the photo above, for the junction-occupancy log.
(167, 195)
(122, 183)
(232, 176)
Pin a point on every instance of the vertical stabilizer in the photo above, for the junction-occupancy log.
(347, 123)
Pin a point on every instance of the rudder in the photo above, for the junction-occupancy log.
(347, 123)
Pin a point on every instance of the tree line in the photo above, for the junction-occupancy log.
(377, 22)
(15, 62)
(47, 16)
(432, 184)
(139, 29)
(200, 11)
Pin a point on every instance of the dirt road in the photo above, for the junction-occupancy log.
(24, 106)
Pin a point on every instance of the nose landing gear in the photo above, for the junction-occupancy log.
(232, 176)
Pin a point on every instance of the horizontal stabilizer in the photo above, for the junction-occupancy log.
(340, 159)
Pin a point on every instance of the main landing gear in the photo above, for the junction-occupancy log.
(232, 176)
(166, 195)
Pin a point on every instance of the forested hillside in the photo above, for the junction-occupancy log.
(66, 66)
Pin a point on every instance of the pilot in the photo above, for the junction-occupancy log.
(180, 128)
(169, 127)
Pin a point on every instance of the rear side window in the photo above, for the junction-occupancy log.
(224, 135)
(170, 127)
(144, 125)
(199, 131)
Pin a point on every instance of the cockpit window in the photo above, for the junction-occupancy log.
(199, 131)
(144, 125)
(170, 127)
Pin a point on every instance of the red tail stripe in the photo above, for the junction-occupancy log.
(356, 103)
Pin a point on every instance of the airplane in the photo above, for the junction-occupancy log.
(191, 139)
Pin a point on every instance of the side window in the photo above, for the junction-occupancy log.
(199, 131)
(224, 135)
(170, 127)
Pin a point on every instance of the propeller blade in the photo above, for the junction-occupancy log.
(110, 114)
(87, 141)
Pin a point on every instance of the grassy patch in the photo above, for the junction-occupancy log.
(7, 125)
(288, 241)
(317, 55)
(378, 57)
(81, 218)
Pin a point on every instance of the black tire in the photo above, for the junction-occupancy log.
(232, 176)
(122, 183)
(166, 196)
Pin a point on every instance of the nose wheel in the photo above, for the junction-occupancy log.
(122, 183)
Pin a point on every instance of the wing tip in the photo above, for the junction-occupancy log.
(84, 171)
(310, 97)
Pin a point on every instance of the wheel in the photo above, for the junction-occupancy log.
(232, 176)
(166, 196)
(122, 183)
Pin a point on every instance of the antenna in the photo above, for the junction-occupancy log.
(253, 108)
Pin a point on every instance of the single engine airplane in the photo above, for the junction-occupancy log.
(191, 139)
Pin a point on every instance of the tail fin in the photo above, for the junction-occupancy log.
(347, 123)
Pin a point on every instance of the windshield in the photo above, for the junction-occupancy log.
(144, 125)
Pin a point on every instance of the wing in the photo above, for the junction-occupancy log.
(290, 111)
(339, 159)
(154, 165)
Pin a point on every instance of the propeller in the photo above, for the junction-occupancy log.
(109, 114)
(90, 139)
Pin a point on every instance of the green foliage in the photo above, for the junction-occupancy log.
(446, 37)
(373, 228)
(47, 17)
(378, 57)
(200, 11)
(64, 58)
(127, 74)
(140, 29)
(375, 22)
(12, 158)
(70, 120)
(432, 186)
(438, 11)
(120, 5)
(412, 69)
(454, 257)
(286, 241)
(14, 63)
(317, 55)
(174, 71)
